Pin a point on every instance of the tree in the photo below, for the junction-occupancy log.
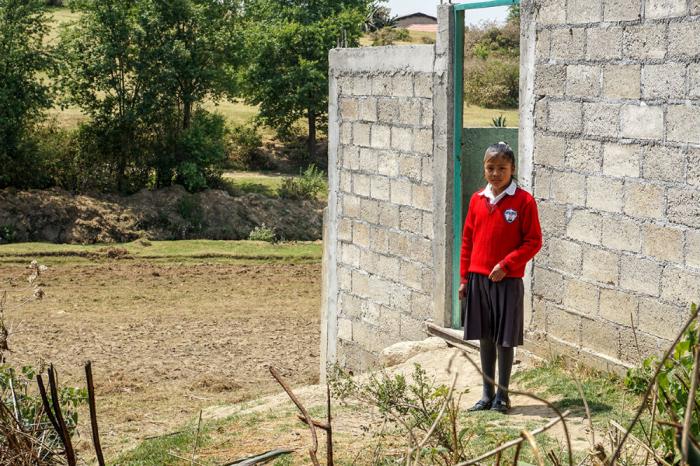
(378, 17)
(287, 47)
(24, 95)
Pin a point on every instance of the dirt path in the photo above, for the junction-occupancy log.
(167, 339)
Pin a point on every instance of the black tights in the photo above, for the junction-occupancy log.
(488, 365)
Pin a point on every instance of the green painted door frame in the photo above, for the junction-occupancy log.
(458, 74)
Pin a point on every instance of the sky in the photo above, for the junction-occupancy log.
(405, 7)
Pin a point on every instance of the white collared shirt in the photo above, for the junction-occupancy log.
(488, 192)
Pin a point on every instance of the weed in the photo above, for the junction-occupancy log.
(8, 234)
(499, 122)
(263, 233)
(309, 185)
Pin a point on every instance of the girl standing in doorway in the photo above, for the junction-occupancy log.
(501, 234)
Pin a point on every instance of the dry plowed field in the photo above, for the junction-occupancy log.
(166, 338)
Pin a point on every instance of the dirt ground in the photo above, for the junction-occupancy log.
(168, 339)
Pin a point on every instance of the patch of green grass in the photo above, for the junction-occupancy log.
(477, 117)
(167, 250)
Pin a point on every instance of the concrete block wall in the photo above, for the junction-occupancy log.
(616, 171)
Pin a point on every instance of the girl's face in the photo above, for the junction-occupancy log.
(498, 171)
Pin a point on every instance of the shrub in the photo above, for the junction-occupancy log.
(263, 233)
(308, 185)
(203, 151)
(389, 35)
(244, 149)
(493, 84)
(8, 234)
(191, 211)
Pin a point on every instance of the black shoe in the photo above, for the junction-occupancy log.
(500, 406)
(481, 405)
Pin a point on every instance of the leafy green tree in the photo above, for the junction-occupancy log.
(24, 91)
(287, 45)
(378, 17)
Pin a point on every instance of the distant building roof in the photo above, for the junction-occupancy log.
(415, 16)
(417, 22)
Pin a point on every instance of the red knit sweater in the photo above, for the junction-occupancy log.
(507, 234)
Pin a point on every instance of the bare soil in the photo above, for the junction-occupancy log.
(168, 339)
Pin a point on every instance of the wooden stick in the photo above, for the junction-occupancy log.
(535, 449)
(329, 431)
(515, 442)
(689, 406)
(93, 414)
(53, 387)
(196, 438)
(517, 453)
(638, 441)
(309, 421)
(47, 406)
(317, 424)
(588, 411)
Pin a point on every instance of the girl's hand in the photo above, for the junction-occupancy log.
(497, 274)
(462, 291)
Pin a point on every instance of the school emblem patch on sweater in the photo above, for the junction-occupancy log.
(510, 215)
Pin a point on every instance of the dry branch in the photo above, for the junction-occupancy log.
(639, 442)
(689, 406)
(309, 421)
(65, 435)
(515, 442)
(93, 414)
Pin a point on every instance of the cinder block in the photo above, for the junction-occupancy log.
(360, 134)
(350, 255)
(694, 78)
(423, 141)
(565, 255)
(621, 10)
(640, 275)
(695, 7)
(345, 133)
(644, 200)
(423, 85)
(381, 136)
(427, 170)
(389, 215)
(542, 44)
(420, 250)
(410, 219)
(389, 267)
(693, 157)
(411, 275)
(399, 244)
(542, 183)
(409, 112)
(601, 119)
(584, 155)
(548, 284)
(583, 11)
(349, 305)
(369, 261)
(422, 197)
(692, 248)
(622, 234)
(634, 348)
(381, 86)
(541, 113)
(585, 226)
(428, 229)
(682, 123)
(388, 163)
(402, 85)
(604, 43)
(662, 242)
(563, 324)
(565, 117)
(360, 234)
(622, 81)
(642, 121)
(569, 188)
(379, 239)
(379, 188)
(410, 166)
(549, 150)
(552, 12)
(567, 44)
(601, 266)
(412, 329)
(355, 85)
(661, 319)
(345, 230)
(604, 194)
(350, 206)
(656, 9)
(369, 210)
(550, 79)
(664, 163)
(401, 192)
(348, 108)
(600, 336)
(361, 184)
(644, 42)
(368, 109)
(387, 110)
(680, 286)
(684, 40)
(684, 206)
(552, 218)
(621, 159)
(618, 307)
(401, 138)
(368, 160)
(345, 181)
(583, 80)
(421, 305)
(665, 81)
(426, 113)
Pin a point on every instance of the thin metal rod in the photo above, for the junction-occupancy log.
(487, 4)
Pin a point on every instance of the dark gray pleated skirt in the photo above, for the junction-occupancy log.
(494, 310)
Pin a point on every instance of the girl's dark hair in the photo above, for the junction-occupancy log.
(500, 149)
